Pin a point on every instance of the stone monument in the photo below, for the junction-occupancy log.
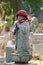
(22, 52)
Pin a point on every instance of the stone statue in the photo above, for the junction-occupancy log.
(23, 53)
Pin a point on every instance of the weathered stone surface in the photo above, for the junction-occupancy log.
(2, 58)
(22, 46)
(21, 57)
(37, 42)
(9, 50)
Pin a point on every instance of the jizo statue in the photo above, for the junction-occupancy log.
(22, 46)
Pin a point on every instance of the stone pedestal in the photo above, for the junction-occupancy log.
(2, 58)
(21, 58)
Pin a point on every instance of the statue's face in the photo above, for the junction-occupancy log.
(20, 18)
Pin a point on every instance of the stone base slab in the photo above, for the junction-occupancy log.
(17, 64)
(21, 58)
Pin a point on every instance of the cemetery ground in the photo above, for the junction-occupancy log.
(38, 62)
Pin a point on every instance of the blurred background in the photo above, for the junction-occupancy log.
(8, 9)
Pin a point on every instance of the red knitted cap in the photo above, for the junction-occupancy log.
(22, 13)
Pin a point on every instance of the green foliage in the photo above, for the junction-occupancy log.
(35, 23)
(7, 8)
(8, 23)
(16, 5)
(25, 6)
(7, 28)
(35, 5)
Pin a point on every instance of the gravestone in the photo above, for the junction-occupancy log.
(37, 43)
(9, 50)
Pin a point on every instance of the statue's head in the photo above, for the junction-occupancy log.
(21, 14)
